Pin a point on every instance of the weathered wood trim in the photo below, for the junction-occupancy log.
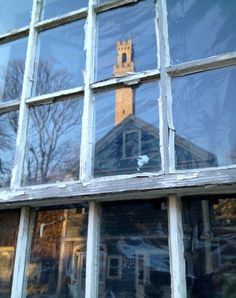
(181, 183)
(176, 249)
(92, 255)
(61, 20)
(130, 79)
(21, 252)
(55, 96)
(163, 101)
(200, 65)
(26, 93)
(87, 133)
(112, 4)
(9, 106)
(14, 34)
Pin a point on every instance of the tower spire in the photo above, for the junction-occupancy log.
(124, 96)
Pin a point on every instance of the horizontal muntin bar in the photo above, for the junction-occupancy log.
(9, 106)
(14, 34)
(200, 65)
(128, 80)
(55, 96)
(112, 4)
(61, 20)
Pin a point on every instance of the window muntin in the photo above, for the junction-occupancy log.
(9, 222)
(53, 142)
(53, 8)
(8, 130)
(120, 111)
(210, 243)
(199, 29)
(57, 261)
(19, 11)
(121, 25)
(204, 117)
(12, 64)
(130, 230)
(60, 58)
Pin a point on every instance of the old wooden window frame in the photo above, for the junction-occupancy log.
(169, 183)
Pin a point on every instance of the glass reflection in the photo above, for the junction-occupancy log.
(123, 24)
(8, 130)
(12, 64)
(9, 222)
(127, 134)
(198, 29)
(134, 259)
(53, 143)
(14, 14)
(53, 8)
(204, 114)
(58, 253)
(61, 58)
(210, 245)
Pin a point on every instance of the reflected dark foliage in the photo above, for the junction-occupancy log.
(210, 243)
(8, 130)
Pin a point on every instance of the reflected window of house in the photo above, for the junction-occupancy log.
(127, 134)
(53, 8)
(12, 64)
(8, 130)
(134, 250)
(14, 14)
(58, 254)
(210, 244)
(9, 224)
(53, 72)
(204, 116)
(122, 24)
(53, 142)
(199, 29)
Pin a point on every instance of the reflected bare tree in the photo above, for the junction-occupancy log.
(53, 141)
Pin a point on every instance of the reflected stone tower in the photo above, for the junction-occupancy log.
(124, 96)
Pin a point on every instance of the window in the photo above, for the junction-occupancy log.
(117, 148)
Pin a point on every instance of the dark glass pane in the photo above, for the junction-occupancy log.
(14, 14)
(12, 64)
(53, 8)
(210, 247)
(9, 223)
(53, 143)
(198, 29)
(129, 30)
(134, 259)
(8, 130)
(61, 58)
(58, 254)
(204, 114)
(127, 134)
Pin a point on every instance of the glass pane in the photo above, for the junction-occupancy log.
(119, 33)
(8, 130)
(52, 8)
(127, 134)
(53, 143)
(210, 247)
(134, 260)
(58, 253)
(61, 58)
(198, 29)
(12, 65)
(9, 223)
(14, 14)
(204, 114)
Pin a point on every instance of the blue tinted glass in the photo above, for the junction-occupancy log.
(198, 29)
